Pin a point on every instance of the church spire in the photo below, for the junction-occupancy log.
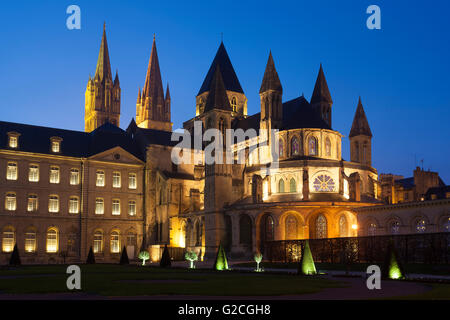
(103, 70)
(270, 81)
(217, 97)
(321, 92)
(153, 84)
(360, 125)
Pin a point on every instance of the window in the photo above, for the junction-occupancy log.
(53, 204)
(100, 182)
(99, 206)
(116, 180)
(292, 185)
(73, 205)
(98, 241)
(281, 186)
(323, 183)
(33, 173)
(280, 147)
(395, 227)
(131, 238)
(328, 147)
(13, 141)
(291, 227)
(421, 226)
(8, 240)
(115, 242)
(30, 241)
(11, 171)
(74, 176)
(312, 144)
(321, 227)
(54, 174)
(55, 144)
(32, 203)
(132, 208)
(132, 183)
(234, 104)
(343, 227)
(356, 151)
(294, 146)
(446, 225)
(116, 207)
(268, 228)
(52, 240)
(10, 201)
(372, 229)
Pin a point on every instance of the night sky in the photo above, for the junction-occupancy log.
(401, 71)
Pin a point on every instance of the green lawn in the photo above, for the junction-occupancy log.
(116, 280)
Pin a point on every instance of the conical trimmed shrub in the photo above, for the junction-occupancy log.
(392, 268)
(124, 257)
(165, 259)
(306, 265)
(15, 257)
(221, 260)
(90, 258)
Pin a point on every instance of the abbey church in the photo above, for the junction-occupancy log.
(109, 189)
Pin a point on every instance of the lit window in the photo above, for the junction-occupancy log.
(55, 143)
(100, 182)
(73, 205)
(98, 241)
(13, 141)
(343, 226)
(132, 208)
(32, 203)
(280, 147)
(33, 173)
(312, 144)
(421, 226)
(52, 240)
(53, 204)
(11, 171)
(116, 180)
(321, 227)
(30, 241)
(8, 240)
(294, 146)
(54, 174)
(132, 183)
(234, 104)
(323, 183)
(99, 206)
(115, 242)
(74, 176)
(116, 207)
(10, 202)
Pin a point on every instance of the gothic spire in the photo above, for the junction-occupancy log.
(217, 97)
(360, 124)
(167, 93)
(103, 70)
(321, 92)
(270, 80)
(153, 83)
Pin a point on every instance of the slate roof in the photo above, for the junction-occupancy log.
(270, 81)
(227, 71)
(360, 125)
(440, 192)
(407, 183)
(321, 92)
(217, 97)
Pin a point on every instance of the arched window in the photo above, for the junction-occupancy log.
(328, 147)
(30, 240)
(52, 240)
(268, 228)
(324, 183)
(245, 230)
(356, 151)
(291, 227)
(394, 227)
(295, 146)
(8, 239)
(234, 104)
(364, 153)
(98, 241)
(115, 242)
(343, 227)
(312, 146)
(321, 227)
(372, 229)
(292, 185)
(421, 226)
(281, 147)
(446, 225)
(281, 186)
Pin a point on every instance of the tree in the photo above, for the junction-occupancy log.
(144, 256)
(258, 258)
(306, 265)
(124, 257)
(165, 259)
(392, 268)
(90, 258)
(221, 260)
(15, 257)
(191, 256)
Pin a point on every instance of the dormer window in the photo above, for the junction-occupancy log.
(55, 143)
(13, 139)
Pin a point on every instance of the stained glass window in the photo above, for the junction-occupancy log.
(328, 147)
(291, 228)
(281, 186)
(421, 226)
(292, 185)
(312, 143)
(321, 227)
(268, 229)
(294, 146)
(446, 225)
(323, 183)
(281, 147)
(343, 226)
(395, 227)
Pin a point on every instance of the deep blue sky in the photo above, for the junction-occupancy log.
(401, 71)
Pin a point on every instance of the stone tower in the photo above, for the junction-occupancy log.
(360, 138)
(152, 108)
(321, 97)
(102, 98)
